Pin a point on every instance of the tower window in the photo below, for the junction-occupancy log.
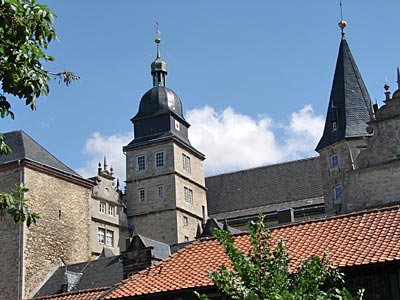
(140, 163)
(159, 159)
(334, 161)
(142, 195)
(337, 194)
(160, 192)
(102, 207)
(100, 235)
(186, 163)
(185, 221)
(111, 209)
(109, 238)
(188, 195)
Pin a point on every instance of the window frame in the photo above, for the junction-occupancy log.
(188, 195)
(109, 233)
(186, 164)
(334, 161)
(337, 194)
(142, 195)
(156, 160)
(101, 232)
(111, 208)
(102, 207)
(159, 187)
(140, 166)
(185, 220)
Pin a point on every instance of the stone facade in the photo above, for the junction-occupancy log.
(11, 238)
(165, 215)
(109, 224)
(61, 235)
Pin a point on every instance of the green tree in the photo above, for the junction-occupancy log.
(26, 29)
(264, 273)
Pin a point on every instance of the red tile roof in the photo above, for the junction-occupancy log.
(355, 239)
(91, 294)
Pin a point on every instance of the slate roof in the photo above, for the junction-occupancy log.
(349, 103)
(368, 237)
(91, 294)
(160, 250)
(273, 184)
(101, 272)
(24, 147)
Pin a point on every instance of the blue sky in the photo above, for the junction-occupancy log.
(254, 76)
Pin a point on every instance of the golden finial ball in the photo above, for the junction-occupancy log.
(342, 24)
(157, 40)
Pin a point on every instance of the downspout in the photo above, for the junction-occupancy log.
(20, 242)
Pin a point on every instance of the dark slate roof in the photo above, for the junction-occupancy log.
(159, 100)
(102, 272)
(24, 147)
(160, 250)
(274, 184)
(349, 103)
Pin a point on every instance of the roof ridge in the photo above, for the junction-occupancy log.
(267, 166)
(99, 289)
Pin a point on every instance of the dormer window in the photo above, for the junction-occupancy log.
(334, 126)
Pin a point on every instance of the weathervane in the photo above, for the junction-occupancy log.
(157, 39)
(342, 23)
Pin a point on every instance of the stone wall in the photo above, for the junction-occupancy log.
(9, 242)
(62, 233)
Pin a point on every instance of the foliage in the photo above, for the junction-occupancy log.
(14, 204)
(26, 29)
(264, 273)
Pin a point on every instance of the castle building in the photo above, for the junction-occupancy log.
(165, 186)
(71, 217)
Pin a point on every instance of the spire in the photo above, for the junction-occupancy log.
(349, 107)
(396, 94)
(158, 67)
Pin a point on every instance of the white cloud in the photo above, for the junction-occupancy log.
(233, 141)
(97, 146)
(230, 140)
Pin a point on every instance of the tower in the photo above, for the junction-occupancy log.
(345, 134)
(165, 186)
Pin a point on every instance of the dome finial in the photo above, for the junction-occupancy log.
(342, 24)
(158, 67)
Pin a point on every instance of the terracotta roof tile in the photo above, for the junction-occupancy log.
(91, 294)
(361, 238)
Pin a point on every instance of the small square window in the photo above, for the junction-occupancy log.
(160, 192)
(140, 163)
(185, 221)
(337, 194)
(109, 238)
(334, 159)
(186, 163)
(159, 159)
(102, 207)
(100, 235)
(188, 193)
(186, 239)
(142, 195)
(111, 210)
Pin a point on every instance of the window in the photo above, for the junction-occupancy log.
(111, 210)
(109, 238)
(140, 163)
(100, 235)
(334, 126)
(186, 163)
(159, 159)
(185, 221)
(334, 161)
(160, 192)
(188, 195)
(337, 194)
(102, 207)
(142, 194)
(186, 239)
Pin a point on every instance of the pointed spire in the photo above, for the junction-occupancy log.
(396, 94)
(350, 107)
(105, 163)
